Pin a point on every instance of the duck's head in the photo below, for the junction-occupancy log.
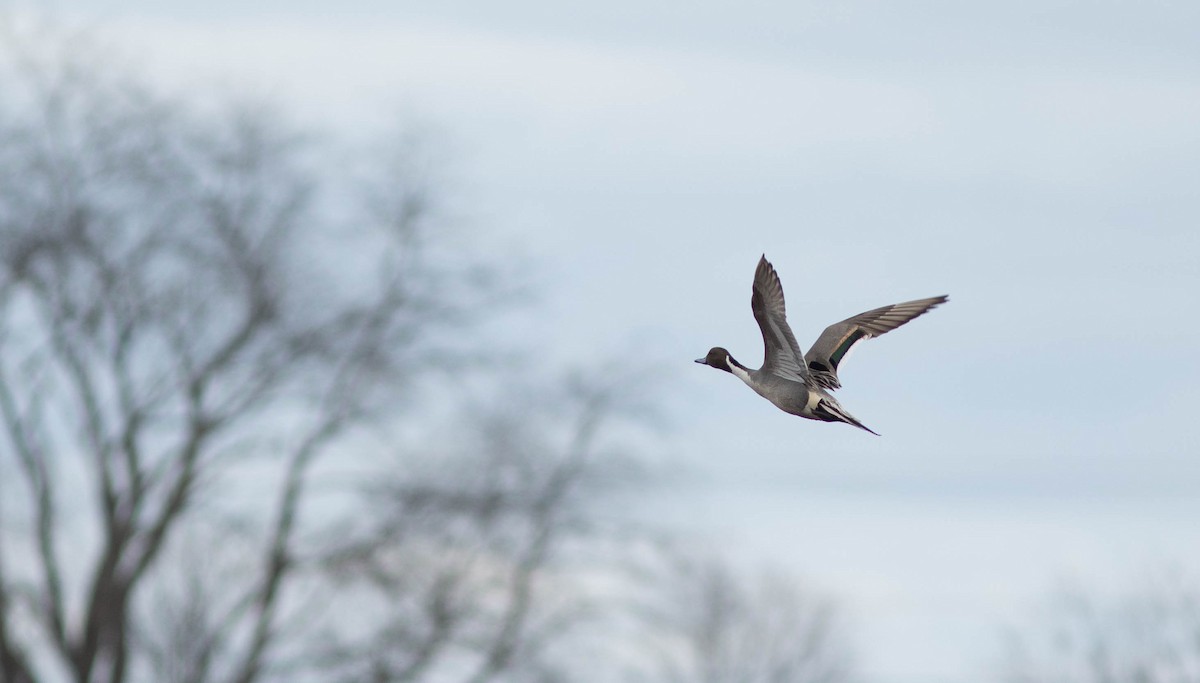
(718, 358)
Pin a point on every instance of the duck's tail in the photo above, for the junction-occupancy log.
(831, 411)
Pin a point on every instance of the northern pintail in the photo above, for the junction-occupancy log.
(796, 382)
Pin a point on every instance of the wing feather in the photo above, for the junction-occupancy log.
(782, 355)
(836, 342)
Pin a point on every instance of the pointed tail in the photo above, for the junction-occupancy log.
(833, 412)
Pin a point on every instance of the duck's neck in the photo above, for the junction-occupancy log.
(740, 371)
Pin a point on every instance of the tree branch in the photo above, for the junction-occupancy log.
(13, 664)
(41, 491)
(545, 512)
(279, 554)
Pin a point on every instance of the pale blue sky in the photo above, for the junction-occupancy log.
(1038, 161)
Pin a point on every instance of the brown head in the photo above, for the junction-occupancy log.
(719, 358)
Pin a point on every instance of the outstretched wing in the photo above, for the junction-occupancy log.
(834, 344)
(782, 355)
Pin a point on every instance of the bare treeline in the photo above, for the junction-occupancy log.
(215, 463)
(1148, 632)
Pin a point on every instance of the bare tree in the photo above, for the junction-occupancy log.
(708, 624)
(182, 320)
(195, 313)
(1150, 635)
(477, 565)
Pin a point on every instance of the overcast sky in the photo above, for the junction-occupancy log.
(1037, 161)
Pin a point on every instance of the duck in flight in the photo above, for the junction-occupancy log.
(800, 383)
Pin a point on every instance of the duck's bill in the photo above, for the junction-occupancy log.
(701, 361)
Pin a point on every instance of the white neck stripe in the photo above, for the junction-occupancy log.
(737, 370)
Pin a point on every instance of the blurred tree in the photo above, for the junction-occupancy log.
(708, 624)
(1151, 635)
(195, 312)
(184, 323)
(483, 561)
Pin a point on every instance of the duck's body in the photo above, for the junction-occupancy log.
(797, 398)
(799, 383)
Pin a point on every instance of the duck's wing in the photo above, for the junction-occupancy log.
(835, 343)
(781, 354)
